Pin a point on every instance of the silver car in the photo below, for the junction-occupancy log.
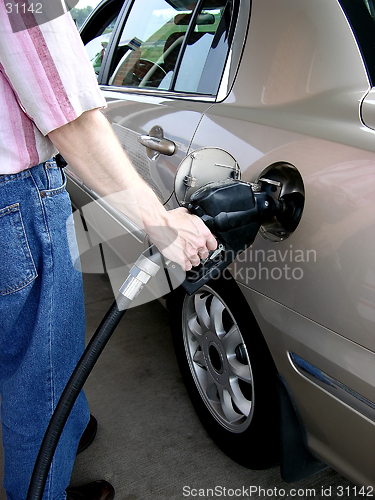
(278, 353)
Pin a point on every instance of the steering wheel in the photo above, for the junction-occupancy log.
(150, 79)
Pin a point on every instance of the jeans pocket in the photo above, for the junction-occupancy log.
(56, 180)
(17, 268)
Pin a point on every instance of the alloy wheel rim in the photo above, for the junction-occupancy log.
(218, 359)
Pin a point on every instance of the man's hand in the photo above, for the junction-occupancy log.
(184, 238)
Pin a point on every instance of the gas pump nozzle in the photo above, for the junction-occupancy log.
(234, 213)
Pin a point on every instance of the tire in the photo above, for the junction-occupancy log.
(228, 371)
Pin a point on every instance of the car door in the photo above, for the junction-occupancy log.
(161, 74)
(160, 70)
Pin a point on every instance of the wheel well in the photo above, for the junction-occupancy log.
(236, 291)
(257, 446)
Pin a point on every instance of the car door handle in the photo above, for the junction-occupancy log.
(163, 146)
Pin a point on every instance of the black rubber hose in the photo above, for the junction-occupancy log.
(70, 394)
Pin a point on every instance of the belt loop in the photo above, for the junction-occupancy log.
(46, 173)
(39, 175)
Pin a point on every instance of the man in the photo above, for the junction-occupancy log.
(50, 101)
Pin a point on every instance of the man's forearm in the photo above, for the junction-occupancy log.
(91, 148)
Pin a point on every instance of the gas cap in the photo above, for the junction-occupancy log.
(201, 167)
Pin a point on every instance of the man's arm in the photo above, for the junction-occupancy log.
(90, 146)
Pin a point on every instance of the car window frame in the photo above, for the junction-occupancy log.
(124, 6)
(93, 26)
(105, 73)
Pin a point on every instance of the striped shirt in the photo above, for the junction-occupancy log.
(46, 81)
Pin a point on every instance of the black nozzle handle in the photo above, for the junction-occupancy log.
(265, 207)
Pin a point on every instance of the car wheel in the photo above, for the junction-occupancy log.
(228, 371)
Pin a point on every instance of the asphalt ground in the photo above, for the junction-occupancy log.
(150, 444)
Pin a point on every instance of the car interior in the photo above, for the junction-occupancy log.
(142, 66)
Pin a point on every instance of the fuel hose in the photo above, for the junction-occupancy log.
(144, 268)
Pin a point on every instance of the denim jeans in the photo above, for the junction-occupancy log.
(42, 325)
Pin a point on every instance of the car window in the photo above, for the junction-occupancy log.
(170, 44)
(150, 43)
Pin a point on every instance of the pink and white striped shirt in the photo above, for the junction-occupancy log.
(46, 81)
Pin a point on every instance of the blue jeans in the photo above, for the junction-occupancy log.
(42, 325)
